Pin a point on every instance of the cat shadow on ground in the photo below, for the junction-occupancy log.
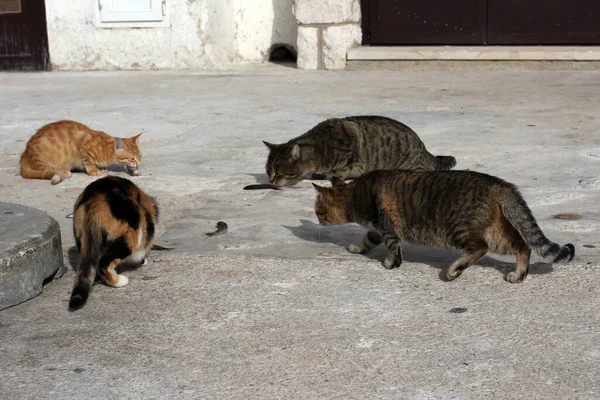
(260, 178)
(73, 256)
(117, 168)
(343, 235)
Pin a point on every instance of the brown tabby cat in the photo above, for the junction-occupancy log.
(468, 211)
(60, 147)
(113, 221)
(350, 147)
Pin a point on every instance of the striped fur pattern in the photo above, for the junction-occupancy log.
(114, 221)
(351, 147)
(64, 146)
(463, 210)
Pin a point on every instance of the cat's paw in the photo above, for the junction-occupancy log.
(123, 281)
(450, 277)
(56, 179)
(356, 248)
(94, 172)
(513, 277)
(389, 263)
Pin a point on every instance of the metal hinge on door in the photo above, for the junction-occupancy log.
(368, 33)
(164, 7)
(100, 5)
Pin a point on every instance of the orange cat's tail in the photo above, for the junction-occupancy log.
(30, 173)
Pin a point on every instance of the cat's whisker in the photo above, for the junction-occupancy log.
(314, 231)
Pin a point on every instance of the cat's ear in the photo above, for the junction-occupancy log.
(322, 190)
(335, 182)
(295, 153)
(270, 146)
(119, 145)
(135, 138)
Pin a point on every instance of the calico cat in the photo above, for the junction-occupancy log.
(468, 211)
(350, 147)
(114, 221)
(60, 147)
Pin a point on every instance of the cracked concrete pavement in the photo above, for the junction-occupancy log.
(276, 307)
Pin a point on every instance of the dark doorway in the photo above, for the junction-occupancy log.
(23, 35)
(423, 21)
(543, 21)
(480, 22)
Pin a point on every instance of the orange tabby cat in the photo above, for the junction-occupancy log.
(60, 147)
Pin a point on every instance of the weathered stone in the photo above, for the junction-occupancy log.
(308, 48)
(326, 11)
(30, 252)
(337, 40)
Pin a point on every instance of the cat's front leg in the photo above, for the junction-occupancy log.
(371, 240)
(89, 164)
(92, 170)
(394, 248)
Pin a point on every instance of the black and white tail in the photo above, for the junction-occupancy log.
(519, 215)
(444, 162)
(87, 269)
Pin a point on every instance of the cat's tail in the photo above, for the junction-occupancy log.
(444, 162)
(30, 173)
(519, 215)
(91, 244)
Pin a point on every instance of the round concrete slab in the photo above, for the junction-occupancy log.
(30, 252)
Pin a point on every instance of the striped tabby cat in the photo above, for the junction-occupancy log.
(113, 221)
(468, 211)
(351, 147)
(63, 146)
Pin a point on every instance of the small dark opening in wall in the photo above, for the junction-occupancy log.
(282, 54)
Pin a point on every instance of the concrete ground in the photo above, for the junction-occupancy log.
(276, 307)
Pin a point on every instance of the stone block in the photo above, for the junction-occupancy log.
(326, 11)
(337, 40)
(30, 252)
(308, 48)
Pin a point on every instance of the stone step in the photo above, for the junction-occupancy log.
(30, 252)
(477, 53)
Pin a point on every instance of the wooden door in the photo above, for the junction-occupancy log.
(424, 21)
(410, 22)
(543, 22)
(23, 35)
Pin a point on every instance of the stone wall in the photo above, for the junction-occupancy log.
(209, 34)
(327, 29)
